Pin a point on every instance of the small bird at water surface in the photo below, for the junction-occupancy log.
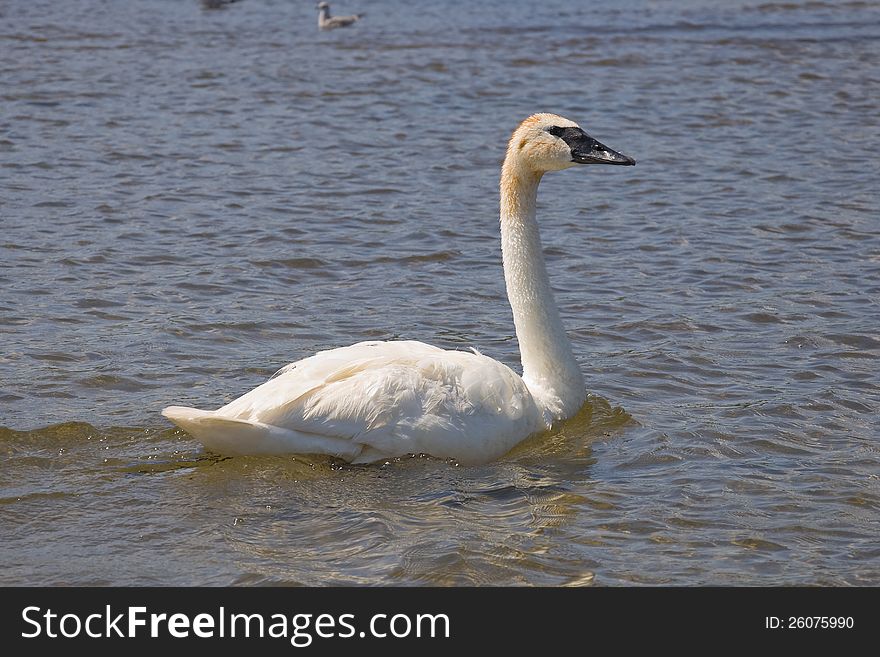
(216, 4)
(328, 22)
(378, 400)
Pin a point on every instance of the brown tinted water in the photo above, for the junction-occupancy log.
(191, 199)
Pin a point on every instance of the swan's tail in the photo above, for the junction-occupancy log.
(218, 434)
(234, 436)
(188, 419)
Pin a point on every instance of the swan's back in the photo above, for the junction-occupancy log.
(376, 400)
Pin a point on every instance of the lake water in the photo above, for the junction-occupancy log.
(191, 199)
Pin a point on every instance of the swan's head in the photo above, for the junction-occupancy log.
(321, 6)
(547, 142)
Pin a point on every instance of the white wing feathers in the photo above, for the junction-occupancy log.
(376, 400)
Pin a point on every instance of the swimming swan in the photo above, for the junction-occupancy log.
(327, 22)
(377, 400)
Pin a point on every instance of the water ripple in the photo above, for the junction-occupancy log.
(193, 199)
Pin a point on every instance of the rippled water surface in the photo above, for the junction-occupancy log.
(190, 199)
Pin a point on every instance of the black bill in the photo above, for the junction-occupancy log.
(586, 150)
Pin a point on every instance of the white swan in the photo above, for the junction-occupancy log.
(376, 400)
(328, 22)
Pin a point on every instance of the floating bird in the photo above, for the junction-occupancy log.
(377, 400)
(328, 22)
(216, 4)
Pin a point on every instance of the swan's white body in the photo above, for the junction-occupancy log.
(374, 400)
(328, 22)
(378, 400)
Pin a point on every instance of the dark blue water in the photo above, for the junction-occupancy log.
(190, 199)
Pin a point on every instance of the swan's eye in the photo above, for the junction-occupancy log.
(569, 135)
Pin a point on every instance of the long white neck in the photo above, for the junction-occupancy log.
(550, 369)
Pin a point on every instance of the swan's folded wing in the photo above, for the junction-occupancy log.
(396, 398)
(273, 399)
